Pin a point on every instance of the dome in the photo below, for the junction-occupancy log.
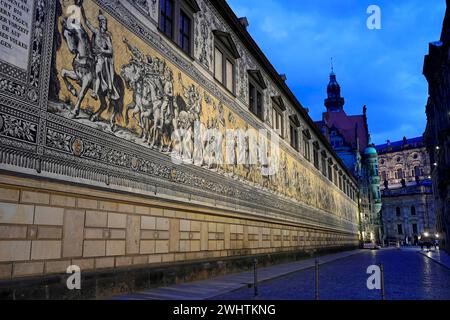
(333, 89)
(370, 151)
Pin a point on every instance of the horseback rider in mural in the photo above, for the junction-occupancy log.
(93, 66)
(141, 75)
(151, 81)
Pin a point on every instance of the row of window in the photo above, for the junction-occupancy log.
(398, 211)
(176, 22)
(414, 227)
(400, 173)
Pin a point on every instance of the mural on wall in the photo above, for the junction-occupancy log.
(113, 81)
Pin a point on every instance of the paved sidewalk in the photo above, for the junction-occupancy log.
(438, 256)
(207, 289)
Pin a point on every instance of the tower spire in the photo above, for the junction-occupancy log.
(334, 101)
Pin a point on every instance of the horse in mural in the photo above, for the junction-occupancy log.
(84, 75)
(146, 99)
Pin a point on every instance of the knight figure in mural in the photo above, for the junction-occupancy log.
(93, 65)
(103, 51)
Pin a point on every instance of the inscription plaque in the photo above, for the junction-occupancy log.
(16, 18)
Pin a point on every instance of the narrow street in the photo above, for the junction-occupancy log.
(409, 275)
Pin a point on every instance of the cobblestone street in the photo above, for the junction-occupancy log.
(408, 275)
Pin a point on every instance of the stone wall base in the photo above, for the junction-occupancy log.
(111, 282)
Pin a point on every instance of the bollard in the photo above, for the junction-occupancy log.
(317, 279)
(255, 277)
(383, 294)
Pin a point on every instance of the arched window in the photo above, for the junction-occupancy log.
(398, 212)
(413, 211)
(417, 171)
(399, 174)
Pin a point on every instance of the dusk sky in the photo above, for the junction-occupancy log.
(378, 68)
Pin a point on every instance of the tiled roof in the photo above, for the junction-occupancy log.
(346, 126)
(400, 145)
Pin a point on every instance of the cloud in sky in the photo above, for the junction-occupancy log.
(378, 68)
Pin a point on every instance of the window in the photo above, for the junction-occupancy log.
(218, 65)
(417, 171)
(176, 21)
(185, 32)
(229, 76)
(166, 17)
(398, 211)
(413, 211)
(225, 54)
(294, 124)
(277, 116)
(415, 229)
(293, 136)
(306, 148)
(316, 156)
(399, 174)
(330, 171)
(383, 176)
(399, 229)
(256, 88)
(324, 164)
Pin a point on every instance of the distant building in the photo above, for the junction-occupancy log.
(408, 209)
(437, 134)
(349, 136)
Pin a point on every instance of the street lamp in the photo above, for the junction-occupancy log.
(426, 234)
(437, 235)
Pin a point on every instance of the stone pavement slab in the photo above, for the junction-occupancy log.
(208, 289)
(438, 256)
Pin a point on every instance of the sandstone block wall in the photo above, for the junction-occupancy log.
(46, 227)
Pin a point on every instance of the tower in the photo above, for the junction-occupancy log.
(371, 158)
(334, 102)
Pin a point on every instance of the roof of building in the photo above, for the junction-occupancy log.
(404, 144)
(370, 151)
(350, 127)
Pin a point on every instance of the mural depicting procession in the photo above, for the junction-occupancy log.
(110, 80)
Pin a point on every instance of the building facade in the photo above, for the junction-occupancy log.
(136, 134)
(408, 207)
(437, 134)
(349, 136)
